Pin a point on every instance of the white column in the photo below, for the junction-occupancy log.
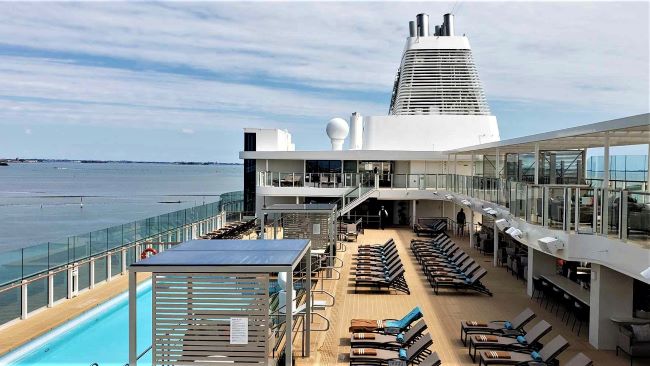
(473, 165)
(455, 163)
(109, 260)
(605, 200)
(606, 285)
(647, 184)
(92, 273)
(50, 289)
(70, 281)
(496, 164)
(496, 244)
(309, 295)
(124, 261)
(537, 163)
(23, 300)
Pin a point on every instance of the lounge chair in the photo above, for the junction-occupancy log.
(500, 327)
(460, 261)
(372, 247)
(470, 283)
(388, 341)
(528, 342)
(431, 360)
(376, 250)
(388, 261)
(378, 259)
(378, 270)
(463, 272)
(459, 255)
(545, 356)
(388, 326)
(579, 360)
(376, 256)
(374, 356)
(395, 281)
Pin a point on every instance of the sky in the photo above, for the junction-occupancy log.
(179, 81)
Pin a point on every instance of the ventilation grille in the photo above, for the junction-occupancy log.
(191, 318)
(439, 82)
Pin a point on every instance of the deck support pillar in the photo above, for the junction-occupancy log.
(496, 245)
(288, 340)
(607, 284)
(471, 229)
(50, 289)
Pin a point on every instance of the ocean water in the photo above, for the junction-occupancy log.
(41, 202)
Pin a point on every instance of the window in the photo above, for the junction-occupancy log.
(323, 166)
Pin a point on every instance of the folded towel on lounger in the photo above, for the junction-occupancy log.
(363, 336)
(364, 352)
(497, 354)
(365, 325)
(474, 323)
(486, 338)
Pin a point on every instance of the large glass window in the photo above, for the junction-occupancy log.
(100, 269)
(84, 276)
(323, 166)
(116, 263)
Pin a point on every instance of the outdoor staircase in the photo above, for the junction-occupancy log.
(353, 199)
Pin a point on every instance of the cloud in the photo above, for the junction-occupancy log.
(28, 131)
(187, 131)
(295, 65)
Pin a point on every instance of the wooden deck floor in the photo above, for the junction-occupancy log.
(442, 313)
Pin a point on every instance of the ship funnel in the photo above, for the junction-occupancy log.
(356, 131)
(449, 24)
(413, 29)
(422, 24)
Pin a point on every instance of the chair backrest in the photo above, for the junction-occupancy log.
(523, 318)
(462, 258)
(418, 347)
(553, 348)
(465, 264)
(579, 360)
(409, 318)
(473, 267)
(431, 360)
(396, 274)
(477, 275)
(414, 331)
(538, 331)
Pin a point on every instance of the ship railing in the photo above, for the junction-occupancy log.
(38, 277)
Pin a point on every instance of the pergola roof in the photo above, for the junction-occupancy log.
(229, 253)
(633, 130)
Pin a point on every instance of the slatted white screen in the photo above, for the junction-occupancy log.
(191, 318)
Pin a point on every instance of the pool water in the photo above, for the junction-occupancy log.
(99, 336)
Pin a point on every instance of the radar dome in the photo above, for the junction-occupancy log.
(337, 131)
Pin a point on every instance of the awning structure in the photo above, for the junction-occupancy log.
(633, 130)
(215, 300)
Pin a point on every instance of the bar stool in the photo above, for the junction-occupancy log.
(557, 298)
(581, 314)
(548, 293)
(537, 288)
(567, 301)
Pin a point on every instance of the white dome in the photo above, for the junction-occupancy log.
(338, 129)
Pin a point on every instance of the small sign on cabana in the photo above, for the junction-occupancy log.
(238, 330)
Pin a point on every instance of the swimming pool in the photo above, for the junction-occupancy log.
(99, 336)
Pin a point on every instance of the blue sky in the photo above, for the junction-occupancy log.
(179, 81)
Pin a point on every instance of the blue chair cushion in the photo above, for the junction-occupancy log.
(536, 356)
(507, 325)
(402, 354)
(400, 338)
(412, 316)
(521, 339)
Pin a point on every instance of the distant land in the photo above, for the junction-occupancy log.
(25, 160)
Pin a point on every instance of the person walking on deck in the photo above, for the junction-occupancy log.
(383, 217)
(460, 220)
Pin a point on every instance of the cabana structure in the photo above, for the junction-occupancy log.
(213, 300)
(314, 221)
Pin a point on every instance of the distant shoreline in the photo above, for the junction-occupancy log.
(32, 161)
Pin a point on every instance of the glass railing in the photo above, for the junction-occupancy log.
(41, 274)
(317, 180)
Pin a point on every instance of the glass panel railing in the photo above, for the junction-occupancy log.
(613, 208)
(534, 205)
(638, 217)
(585, 203)
(555, 208)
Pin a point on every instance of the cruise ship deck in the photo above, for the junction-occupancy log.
(442, 313)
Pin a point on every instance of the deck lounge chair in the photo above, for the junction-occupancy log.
(388, 341)
(376, 250)
(528, 342)
(377, 259)
(459, 262)
(374, 356)
(500, 327)
(390, 250)
(545, 356)
(579, 360)
(431, 360)
(395, 281)
(378, 270)
(471, 283)
(388, 326)
(463, 272)
(456, 258)
(374, 247)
